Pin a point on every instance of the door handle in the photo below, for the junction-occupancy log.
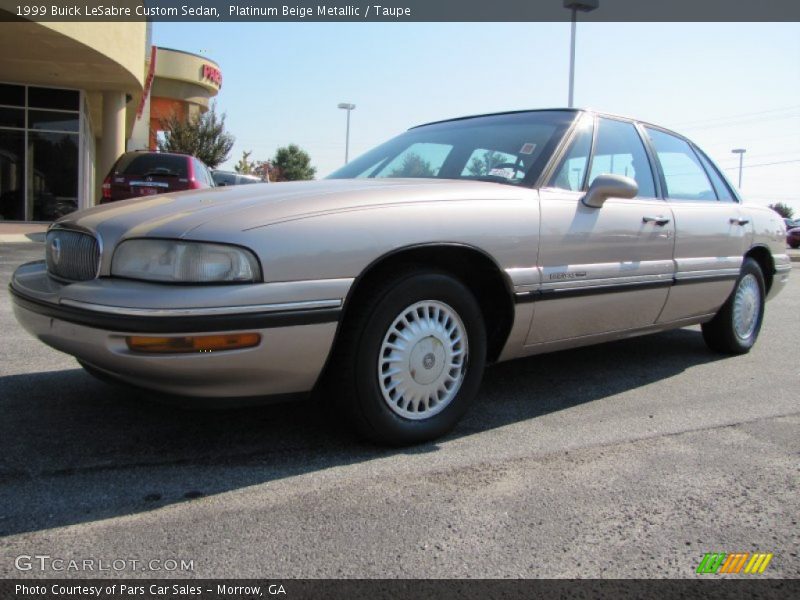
(738, 221)
(660, 221)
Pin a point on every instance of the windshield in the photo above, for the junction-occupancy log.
(508, 148)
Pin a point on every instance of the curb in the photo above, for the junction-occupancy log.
(17, 238)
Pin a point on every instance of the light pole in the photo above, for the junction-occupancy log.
(348, 107)
(740, 152)
(575, 6)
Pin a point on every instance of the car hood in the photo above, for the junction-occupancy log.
(200, 214)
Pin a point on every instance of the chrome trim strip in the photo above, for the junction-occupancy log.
(202, 312)
(590, 290)
(722, 273)
(523, 277)
(708, 263)
(605, 282)
(598, 275)
(592, 274)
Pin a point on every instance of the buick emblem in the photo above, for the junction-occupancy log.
(55, 250)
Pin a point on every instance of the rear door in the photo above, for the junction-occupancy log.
(602, 269)
(711, 234)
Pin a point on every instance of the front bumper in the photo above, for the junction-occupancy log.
(296, 334)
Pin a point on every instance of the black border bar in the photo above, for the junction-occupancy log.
(636, 286)
(702, 586)
(402, 11)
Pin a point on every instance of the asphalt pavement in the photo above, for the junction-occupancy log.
(630, 459)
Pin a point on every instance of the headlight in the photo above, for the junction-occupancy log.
(184, 262)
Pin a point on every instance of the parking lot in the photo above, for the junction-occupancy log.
(631, 459)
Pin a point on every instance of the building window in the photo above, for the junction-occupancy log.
(12, 175)
(40, 148)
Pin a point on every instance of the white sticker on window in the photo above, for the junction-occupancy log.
(506, 172)
(527, 148)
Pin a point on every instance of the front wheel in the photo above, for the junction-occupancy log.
(734, 329)
(412, 358)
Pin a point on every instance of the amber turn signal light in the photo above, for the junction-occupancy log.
(195, 343)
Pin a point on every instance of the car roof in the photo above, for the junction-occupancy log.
(554, 109)
(157, 153)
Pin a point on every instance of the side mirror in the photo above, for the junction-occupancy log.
(609, 186)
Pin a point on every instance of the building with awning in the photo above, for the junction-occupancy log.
(75, 96)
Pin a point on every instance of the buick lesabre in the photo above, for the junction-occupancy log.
(395, 280)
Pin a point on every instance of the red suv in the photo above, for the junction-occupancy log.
(142, 173)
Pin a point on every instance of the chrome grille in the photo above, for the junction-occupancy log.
(72, 255)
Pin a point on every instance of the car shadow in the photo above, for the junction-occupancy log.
(73, 449)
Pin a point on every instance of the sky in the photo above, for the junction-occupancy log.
(723, 85)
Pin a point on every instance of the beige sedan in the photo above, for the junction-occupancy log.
(393, 282)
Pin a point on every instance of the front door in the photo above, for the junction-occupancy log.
(602, 269)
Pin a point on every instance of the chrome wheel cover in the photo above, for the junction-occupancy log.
(423, 360)
(746, 307)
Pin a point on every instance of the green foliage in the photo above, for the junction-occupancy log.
(202, 135)
(784, 210)
(245, 166)
(413, 166)
(291, 164)
(479, 167)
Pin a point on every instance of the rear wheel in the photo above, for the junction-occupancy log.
(736, 326)
(411, 358)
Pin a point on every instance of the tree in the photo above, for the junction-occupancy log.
(291, 164)
(413, 166)
(245, 166)
(202, 135)
(784, 210)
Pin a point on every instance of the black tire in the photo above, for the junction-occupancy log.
(720, 332)
(359, 395)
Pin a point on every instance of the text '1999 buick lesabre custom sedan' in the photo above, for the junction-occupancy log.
(395, 280)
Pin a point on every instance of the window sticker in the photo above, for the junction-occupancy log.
(527, 148)
(506, 172)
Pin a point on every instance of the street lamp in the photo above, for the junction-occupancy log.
(348, 107)
(740, 152)
(575, 6)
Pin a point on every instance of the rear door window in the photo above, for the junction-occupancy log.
(720, 186)
(684, 175)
